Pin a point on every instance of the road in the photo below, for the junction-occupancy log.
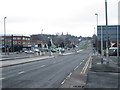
(43, 74)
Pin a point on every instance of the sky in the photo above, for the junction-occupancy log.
(77, 17)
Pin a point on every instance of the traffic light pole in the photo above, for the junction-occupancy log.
(107, 51)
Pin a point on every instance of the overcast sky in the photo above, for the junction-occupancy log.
(77, 17)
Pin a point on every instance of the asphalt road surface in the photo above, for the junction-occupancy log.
(42, 74)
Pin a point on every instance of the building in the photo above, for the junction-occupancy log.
(17, 42)
(112, 35)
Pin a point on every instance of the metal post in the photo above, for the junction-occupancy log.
(12, 43)
(107, 51)
(117, 43)
(101, 42)
(5, 34)
(97, 36)
(42, 31)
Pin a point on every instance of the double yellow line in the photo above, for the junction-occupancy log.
(86, 66)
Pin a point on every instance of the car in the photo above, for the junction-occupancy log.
(68, 48)
(29, 51)
(62, 50)
(115, 52)
(53, 50)
(36, 50)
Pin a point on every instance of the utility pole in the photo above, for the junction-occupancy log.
(5, 34)
(117, 43)
(101, 41)
(12, 43)
(96, 34)
(42, 31)
(107, 51)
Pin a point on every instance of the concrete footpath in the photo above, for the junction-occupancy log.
(103, 75)
(23, 61)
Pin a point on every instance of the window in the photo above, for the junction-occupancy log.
(23, 38)
(14, 38)
(18, 38)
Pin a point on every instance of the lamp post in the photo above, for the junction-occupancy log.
(101, 42)
(42, 31)
(117, 44)
(5, 33)
(107, 52)
(97, 36)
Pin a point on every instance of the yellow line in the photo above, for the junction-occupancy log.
(85, 67)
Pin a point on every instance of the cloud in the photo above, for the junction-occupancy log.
(73, 16)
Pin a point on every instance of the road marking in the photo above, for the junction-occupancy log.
(85, 67)
(66, 78)
(43, 66)
(2, 78)
(80, 63)
(76, 68)
(63, 81)
(69, 75)
(21, 72)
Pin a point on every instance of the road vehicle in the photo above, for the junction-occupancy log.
(29, 51)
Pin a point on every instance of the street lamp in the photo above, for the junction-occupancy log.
(5, 34)
(42, 31)
(96, 28)
(107, 52)
(101, 41)
(97, 17)
(117, 44)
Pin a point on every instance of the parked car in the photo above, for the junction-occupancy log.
(68, 48)
(36, 50)
(29, 51)
(115, 52)
(53, 50)
(62, 50)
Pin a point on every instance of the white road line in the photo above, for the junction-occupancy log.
(63, 81)
(21, 72)
(54, 62)
(80, 63)
(69, 74)
(2, 78)
(43, 66)
(76, 68)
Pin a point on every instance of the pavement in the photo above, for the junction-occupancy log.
(103, 75)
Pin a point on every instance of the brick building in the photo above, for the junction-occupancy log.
(17, 42)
